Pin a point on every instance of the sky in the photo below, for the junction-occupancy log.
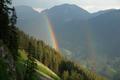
(89, 5)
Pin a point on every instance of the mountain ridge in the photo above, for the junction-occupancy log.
(85, 39)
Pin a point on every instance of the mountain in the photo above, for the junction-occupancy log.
(106, 28)
(103, 11)
(89, 38)
(66, 13)
(92, 41)
(62, 14)
(102, 29)
(71, 24)
(32, 22)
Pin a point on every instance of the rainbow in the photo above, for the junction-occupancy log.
(52, 34)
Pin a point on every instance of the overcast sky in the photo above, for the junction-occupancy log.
(90, 5)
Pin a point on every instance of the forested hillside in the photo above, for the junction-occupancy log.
(66, 69)
(23, 57)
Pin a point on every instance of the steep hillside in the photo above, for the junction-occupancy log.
(54, 60)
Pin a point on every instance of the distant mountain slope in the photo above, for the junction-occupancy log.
(32, 22)
(107, 30)
(99, 34)
(103, 29)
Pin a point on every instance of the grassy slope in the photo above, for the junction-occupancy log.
(42, 70)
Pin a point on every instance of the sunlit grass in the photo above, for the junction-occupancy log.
(41, 69)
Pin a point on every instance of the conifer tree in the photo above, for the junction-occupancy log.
(8, 32)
